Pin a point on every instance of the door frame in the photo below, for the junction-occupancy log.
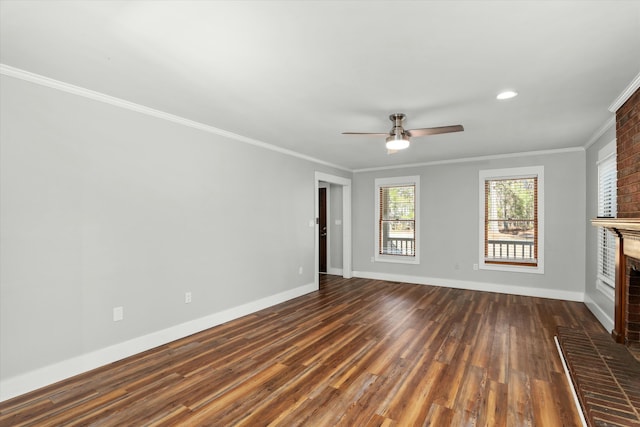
(346, 223)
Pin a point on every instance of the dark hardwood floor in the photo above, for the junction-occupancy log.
(357, 353)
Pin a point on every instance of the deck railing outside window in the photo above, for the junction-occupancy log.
(399, 246)
(510, 249)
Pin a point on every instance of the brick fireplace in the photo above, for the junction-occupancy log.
(605, 373)
(626, 226)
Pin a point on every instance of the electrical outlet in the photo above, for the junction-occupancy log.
(373, 259)
(475, 266)
(118, 314)
(300, 270)
(187, 297)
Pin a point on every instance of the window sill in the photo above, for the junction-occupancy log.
(397, 259)
(512, 268)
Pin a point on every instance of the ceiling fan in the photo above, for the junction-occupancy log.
(398, 137)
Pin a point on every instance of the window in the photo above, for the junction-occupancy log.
(607, 207)
(511, 213)
(396, 219)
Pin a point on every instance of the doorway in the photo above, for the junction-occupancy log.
(322, 229)
(345, 222)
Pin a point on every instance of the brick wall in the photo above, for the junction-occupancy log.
(628, 144)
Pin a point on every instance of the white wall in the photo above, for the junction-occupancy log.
(450, 227)
(600, 304)
(105, 207)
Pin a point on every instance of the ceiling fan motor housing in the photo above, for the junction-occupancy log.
(398, 139)
(397, 119)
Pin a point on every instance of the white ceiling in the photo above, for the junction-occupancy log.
(295, 74)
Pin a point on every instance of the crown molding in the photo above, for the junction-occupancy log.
(476, 159)
(626, 94)
(597, 134)
(121, 103)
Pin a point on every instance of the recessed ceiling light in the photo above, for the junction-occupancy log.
(507, 94)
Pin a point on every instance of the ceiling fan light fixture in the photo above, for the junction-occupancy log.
(397, 142)
(507, 94)
(398, 137)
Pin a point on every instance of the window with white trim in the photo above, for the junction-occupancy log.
(512, 219)
(397, 218)
(607, 208)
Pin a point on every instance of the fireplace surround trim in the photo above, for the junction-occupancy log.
(627, 232)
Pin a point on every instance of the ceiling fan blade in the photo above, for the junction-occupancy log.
(366, 133)
(434, 131)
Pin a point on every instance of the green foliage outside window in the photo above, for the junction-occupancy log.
(511, 201)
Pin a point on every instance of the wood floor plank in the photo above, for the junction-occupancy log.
(357, 352)
(495, 411)
(284, 404)
(453, 374)
(244, 400)
(545, 411)
(499, 367)
(362, 411)
(470, 396)
(438, 416)
(421, 387)
(520, 409)
(222, 406)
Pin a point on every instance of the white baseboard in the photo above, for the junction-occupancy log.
(33, 380)
(334, 271)
(600, 314)
(474, 286)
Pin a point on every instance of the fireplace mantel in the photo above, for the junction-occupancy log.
(627, 232)
(624, 228)
(623, 224)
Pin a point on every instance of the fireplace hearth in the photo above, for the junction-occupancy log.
(605, 372)
(605, 377)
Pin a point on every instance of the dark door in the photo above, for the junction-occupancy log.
(322, 229)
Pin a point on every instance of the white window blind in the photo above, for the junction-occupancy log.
(607, 207)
